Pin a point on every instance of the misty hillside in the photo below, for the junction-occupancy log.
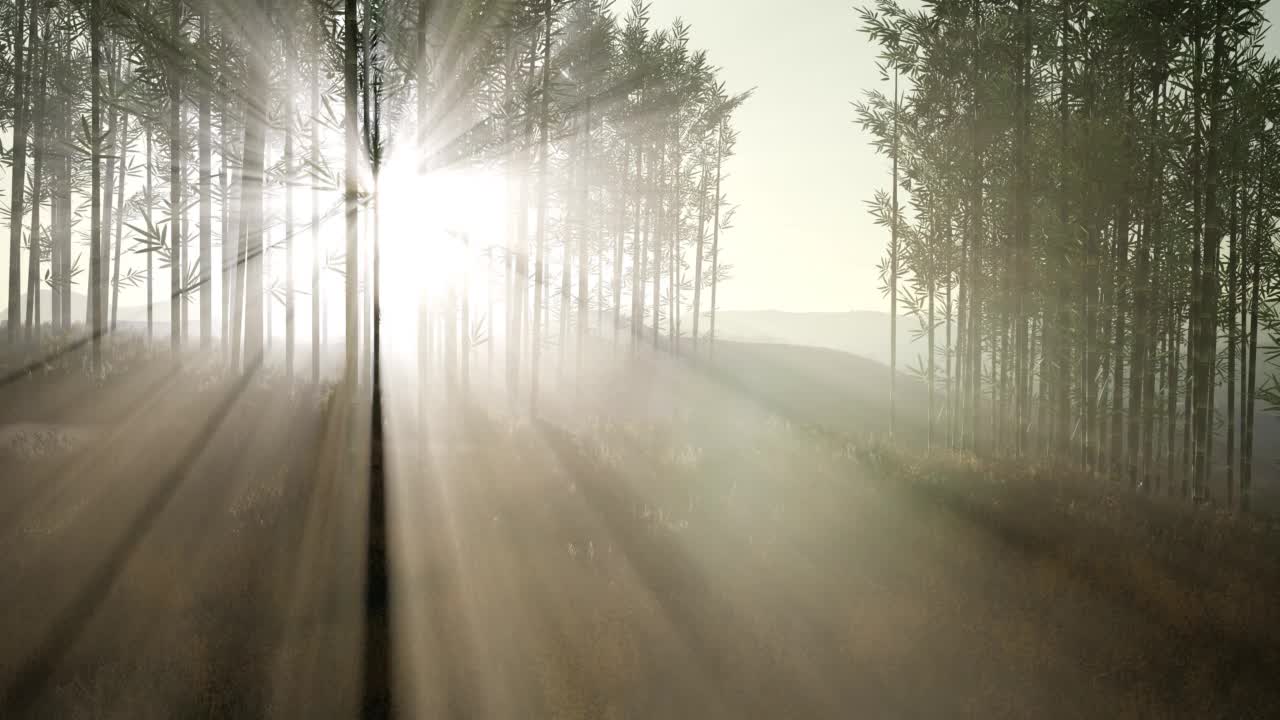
(791, 353)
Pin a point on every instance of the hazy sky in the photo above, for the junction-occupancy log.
(802, 240)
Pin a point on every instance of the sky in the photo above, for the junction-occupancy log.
(802, 238)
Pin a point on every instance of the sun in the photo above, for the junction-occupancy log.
(443, 235)
(438, 229)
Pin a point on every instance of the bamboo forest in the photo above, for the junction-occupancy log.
(639, 359)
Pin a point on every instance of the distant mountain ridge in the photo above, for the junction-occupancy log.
(865, 333)
(79, 309)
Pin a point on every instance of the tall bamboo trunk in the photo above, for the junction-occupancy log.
(975, 240)
(183, 246)
(715, 241)
(1022, 289)
(63, 241)
(175, 189)
(673, 253)
(571, 228)
(929, 374)
(235, 270)
(1118, 338)
(317, 250)
(1171, 400)
(95, 222)
(1191, 444)
(1142, 305)
(637, 250)
(18, 167)
(290, 293)
(224, 224)
(960, 404)
(1255, 282)
(465, 337)
(205, 151)
(544, 199)
(37, 187)
(148, 200)
(1232, 268)
(656, 240)
(422, 126)
(350, 193)
(1089, 343)
(584, 238)
(893, 272)
(251, 200)
(699, 252)
(1208, 283)
(619, 240)
(57, 167)
(948, 317)
(119, 242)
(521, 270)
(98, 292)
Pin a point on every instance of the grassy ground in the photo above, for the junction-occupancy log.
(708, 561)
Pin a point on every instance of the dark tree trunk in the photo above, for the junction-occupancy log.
(18, 168)
(205, 179)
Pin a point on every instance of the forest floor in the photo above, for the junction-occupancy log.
(177, 544)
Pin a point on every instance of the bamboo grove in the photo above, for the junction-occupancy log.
(206, 151)
(1082, 217)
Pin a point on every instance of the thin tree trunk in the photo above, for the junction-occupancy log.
(715, 241)
(175, 190)
(317, 251)
(1232, 266)
(1022, 360)
(18, 167)
(1208, 284)
(656, 241)
(150, 255)
(224, 225)
(1171, 408)
(584, 244)
(37, 189)
(115, 278)
(699, 252)
(1246, 455)
(893, 272)
(637, 252)
(948, 317)
(95, 223)
(544, 150)
(251, 199)
(205, 151)
(99, 295)
(184, 243)
(290, 330)
(1118, 338)
(350, 192)
(620, 244)
(976, 232)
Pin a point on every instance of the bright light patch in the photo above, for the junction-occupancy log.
(436, 226)
(438, 231)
